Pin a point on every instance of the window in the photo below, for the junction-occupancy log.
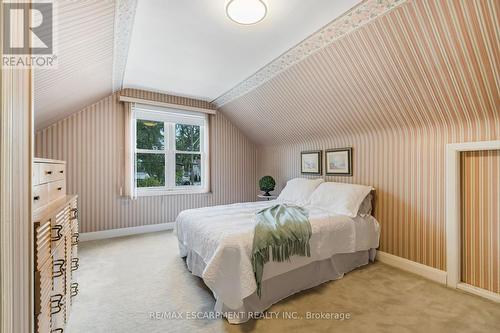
(171, 151)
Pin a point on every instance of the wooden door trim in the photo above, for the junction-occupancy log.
(453, 222)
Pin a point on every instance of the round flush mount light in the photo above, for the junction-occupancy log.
(246, 11)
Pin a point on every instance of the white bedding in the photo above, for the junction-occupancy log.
(222, 236)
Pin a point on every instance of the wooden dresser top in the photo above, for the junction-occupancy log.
(46, 160)
(52, 208)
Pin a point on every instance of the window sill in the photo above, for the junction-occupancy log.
(154, 193)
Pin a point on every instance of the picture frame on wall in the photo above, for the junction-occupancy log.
(338, 162)
(310, 162)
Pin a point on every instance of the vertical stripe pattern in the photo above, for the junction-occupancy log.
(92, 143)
(426, 63)
(480, 228)
(16, 228)
(84, 35)
(397, 90)
(361, 14)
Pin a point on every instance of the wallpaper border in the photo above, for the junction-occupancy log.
(350, 21)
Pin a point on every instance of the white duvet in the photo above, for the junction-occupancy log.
(222, 236)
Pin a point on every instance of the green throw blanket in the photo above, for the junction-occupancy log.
(282, 229)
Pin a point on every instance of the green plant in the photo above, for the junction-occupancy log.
(267, 184)
(149, 182)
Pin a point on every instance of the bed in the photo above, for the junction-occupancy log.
(217, 244)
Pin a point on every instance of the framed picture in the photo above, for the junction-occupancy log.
(338, 162)
(310, 162)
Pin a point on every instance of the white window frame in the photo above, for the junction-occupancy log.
(170, 117)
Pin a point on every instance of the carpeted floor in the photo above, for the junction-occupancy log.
(124, 280)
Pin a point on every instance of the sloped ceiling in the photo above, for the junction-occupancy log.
(191, 48)
(84, 49)
(426, 62)
(187, 48)
(410, 63)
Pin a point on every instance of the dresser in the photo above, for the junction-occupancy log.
(55, 246)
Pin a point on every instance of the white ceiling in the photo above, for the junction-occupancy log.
(190, 48)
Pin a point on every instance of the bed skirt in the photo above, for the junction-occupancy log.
(279, 287)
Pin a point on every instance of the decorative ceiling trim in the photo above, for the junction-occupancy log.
(124, 21)
(352, 20)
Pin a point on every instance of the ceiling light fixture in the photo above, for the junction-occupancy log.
(246, 11)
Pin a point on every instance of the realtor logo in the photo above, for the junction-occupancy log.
(28, 34)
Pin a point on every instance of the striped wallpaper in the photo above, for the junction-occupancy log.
(16, 228)
(92, 141)
(84, 34)
(397, 90)
(480, 175)
(407, 168)
(424, 64)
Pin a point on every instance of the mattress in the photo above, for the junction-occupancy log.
(221, 238)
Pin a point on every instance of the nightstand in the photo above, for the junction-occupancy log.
(266, 197)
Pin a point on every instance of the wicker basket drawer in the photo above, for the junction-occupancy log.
(58, 311)
(59, 269)
(60, 227)
(42, 295)
(42, 243)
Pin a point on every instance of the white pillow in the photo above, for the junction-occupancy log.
(340, 198)
(299, 190)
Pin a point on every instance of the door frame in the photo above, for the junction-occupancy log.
(453, 218)
(16, 229)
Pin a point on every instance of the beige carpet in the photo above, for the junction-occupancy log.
(123, 280)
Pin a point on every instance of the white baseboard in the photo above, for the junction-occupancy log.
(479, 292)
(425, 271)
(88, 236)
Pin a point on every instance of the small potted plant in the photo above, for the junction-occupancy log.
(266, 184)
